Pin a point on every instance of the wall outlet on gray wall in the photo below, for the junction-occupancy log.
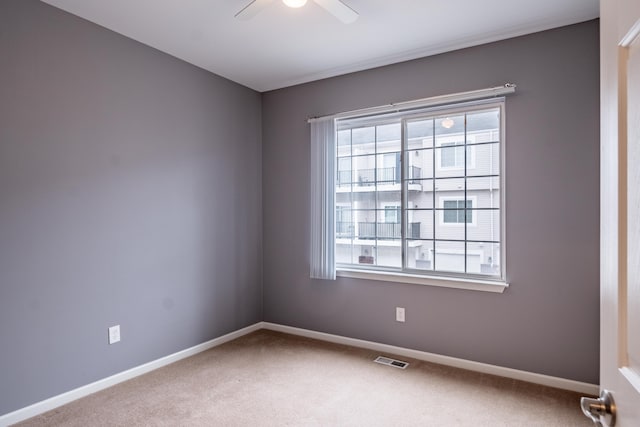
(399, 314)
(114, 334)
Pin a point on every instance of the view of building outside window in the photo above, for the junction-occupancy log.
(421, 193)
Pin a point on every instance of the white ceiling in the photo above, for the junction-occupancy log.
(281, 46)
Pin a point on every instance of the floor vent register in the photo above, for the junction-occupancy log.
(391, 362)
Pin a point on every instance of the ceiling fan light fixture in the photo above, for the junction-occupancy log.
(294, 3)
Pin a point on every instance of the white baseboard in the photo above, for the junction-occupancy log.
(546, 380)
(64, 398)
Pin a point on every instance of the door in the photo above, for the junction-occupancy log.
(620, 207)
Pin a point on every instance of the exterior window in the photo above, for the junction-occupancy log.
(421, 192)
(454, 212)
(392, 214)
(452, 155)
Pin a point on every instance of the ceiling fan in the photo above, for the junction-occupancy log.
(335, 7)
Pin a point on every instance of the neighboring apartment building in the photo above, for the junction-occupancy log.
(452, 194)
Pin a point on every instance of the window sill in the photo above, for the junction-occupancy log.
(445, 282)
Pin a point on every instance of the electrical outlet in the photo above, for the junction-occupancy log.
(399, 314)
(114, 334)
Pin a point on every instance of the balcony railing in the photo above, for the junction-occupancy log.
(379, 230)
(366, 177)
(415, 173)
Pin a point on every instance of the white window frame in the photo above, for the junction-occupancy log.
(461, 281)
(323, 149)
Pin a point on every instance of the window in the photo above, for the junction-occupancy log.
(392, 214)
(453, 155)
(455, 212)
(421, 192)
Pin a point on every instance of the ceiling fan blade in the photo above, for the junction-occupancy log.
(339, 10)
(252, 9)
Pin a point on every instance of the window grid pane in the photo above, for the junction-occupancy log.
(425, 194)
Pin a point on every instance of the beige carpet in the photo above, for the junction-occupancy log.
(273, 379)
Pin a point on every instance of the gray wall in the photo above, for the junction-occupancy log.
(547, 321)
(130, 193)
